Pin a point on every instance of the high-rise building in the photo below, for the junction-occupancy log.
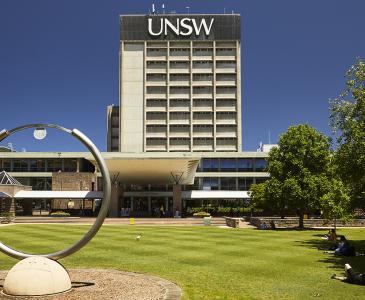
(180, 84)
(180, 92)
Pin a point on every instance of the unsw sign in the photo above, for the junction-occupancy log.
(180, 26)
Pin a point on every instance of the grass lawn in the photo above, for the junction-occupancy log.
(207, 262)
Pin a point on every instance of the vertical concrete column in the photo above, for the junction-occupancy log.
(176, 198)
(78, 165)
(149, 204)
(114, 207)
(27, 207)
(166, 206)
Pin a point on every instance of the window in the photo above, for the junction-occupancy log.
(20, 165)
(41, 183)
(244, 184)
(210, 165)
(261, 180)
(228, 184)
(210, 183)
(228, 164)
(245, 165)
(260, 164)
(54, 165)
(70, 165)
(6, 165)
(37, 165)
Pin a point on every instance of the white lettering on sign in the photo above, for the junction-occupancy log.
(184, 26)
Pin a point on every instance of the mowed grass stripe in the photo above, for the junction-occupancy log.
(207, 262)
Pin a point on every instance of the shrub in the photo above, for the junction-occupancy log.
(59, 214)
(201, 214)
(7, 217)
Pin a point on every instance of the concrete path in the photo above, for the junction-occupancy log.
(216, 221)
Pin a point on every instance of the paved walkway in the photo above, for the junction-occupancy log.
(120, 221)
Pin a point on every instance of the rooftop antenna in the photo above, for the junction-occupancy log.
(188, 8)
(163, 8)
(153, 9)
(269, 137)
(10, 146)
(232, 12)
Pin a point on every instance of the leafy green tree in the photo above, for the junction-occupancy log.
(274, 195)
(257, 195)
(336, 202)
(299, 169)
(348, 123)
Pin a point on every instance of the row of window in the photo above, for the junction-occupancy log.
(186, 90)
(44, 165)
(196, 64)
(232, 165)
(186, 77)
(205, 183)
(195, 44)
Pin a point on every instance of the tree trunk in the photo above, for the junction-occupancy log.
(301, 220)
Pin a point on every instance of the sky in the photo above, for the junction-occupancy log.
(59, 63)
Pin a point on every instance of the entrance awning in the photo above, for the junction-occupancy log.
(215, 194)
(150, 168)
(58, 195)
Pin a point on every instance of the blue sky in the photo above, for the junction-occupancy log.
(59, 63)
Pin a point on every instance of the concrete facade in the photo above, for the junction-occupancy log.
(179, 95)
(70, 181)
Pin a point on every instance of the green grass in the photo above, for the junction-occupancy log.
(207, 262)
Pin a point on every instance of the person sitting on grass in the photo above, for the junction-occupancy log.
(351, 276)
(331, 235)
(343, 248)
(263, 226)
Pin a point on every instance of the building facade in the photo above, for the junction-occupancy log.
(174, 141)
(180, 84)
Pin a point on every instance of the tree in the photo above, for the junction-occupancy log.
(336, 202)
(299, 170)
(348, 123)
(257, 195)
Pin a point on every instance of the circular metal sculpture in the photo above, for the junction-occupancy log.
(105, 203)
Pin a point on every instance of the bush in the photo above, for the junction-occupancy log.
(7, 217)
(59, 214)
(201, 214)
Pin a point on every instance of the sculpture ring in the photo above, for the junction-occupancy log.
(106, 196)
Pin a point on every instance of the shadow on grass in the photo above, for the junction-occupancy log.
(333, 261)
(296, 228)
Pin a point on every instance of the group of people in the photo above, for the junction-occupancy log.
(341, 246)
(265, 226)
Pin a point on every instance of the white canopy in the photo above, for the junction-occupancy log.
(214, 194)
(58, 195)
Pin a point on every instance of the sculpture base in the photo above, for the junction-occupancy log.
(36, 276)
